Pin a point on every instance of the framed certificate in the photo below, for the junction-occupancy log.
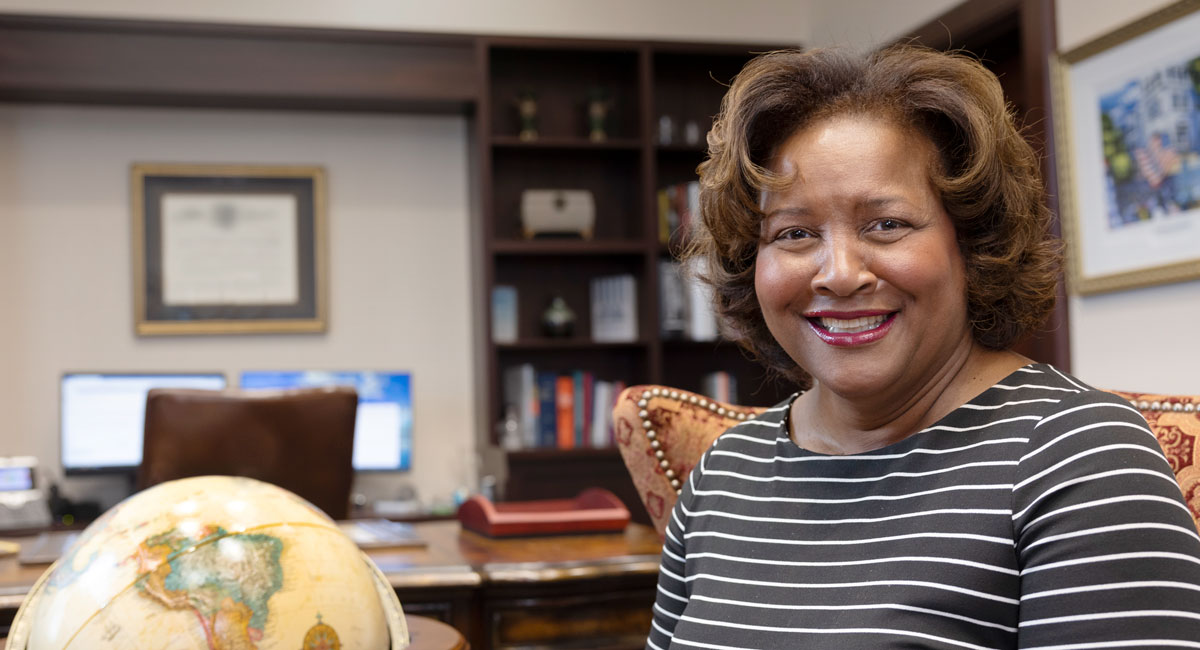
(228, 249)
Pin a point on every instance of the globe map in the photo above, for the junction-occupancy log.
(222, 563)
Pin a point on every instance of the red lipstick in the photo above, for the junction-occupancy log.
(850, 339)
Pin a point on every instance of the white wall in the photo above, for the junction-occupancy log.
(1141, 339)
(398, 239)
(870, 23)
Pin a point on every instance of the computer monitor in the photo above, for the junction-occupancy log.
(383, 428)
(102, 415)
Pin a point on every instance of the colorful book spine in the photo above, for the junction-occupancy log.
(547, 430)
(565, 400)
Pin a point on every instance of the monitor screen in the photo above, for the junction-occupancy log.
(102, 415)
(383, 428)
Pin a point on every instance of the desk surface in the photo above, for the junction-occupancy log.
(423, 633)
(455, 558)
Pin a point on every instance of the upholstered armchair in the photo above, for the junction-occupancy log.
(1175, 421)
(663, 431)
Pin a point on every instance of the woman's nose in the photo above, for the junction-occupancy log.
(844, 270)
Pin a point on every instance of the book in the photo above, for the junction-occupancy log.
(666, 220)
(702, 320)
(672, 303)
(548, 420)
(678, 206)
(380, 533)
(602, 403)
(504, 314)
(520, 390)
(720, 386)
(564, 399)
(614, 308)
(582, 382)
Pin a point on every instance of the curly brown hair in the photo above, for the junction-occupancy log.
(986, 175)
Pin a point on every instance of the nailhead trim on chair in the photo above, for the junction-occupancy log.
(686, 398)
(1177, 407)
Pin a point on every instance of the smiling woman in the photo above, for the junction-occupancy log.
(857, 261)
(873, 230)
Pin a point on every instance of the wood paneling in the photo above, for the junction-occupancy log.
(178, 64)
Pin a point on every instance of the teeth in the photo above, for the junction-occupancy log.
(853, 325)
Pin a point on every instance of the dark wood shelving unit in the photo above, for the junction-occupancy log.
(581, 143)
(568, 247)
(574, 343)
(644, 81)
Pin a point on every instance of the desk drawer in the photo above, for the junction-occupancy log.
(590, 616)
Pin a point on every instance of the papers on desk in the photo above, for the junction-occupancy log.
(380, 533)
(47, 547)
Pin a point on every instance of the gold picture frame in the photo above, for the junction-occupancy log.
(1127, 138)
(228, 249)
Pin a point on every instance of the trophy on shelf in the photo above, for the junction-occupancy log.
(527, 110)
(598, 107)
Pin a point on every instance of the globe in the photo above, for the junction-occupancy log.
(214, 562)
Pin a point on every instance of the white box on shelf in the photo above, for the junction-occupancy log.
(557, 212)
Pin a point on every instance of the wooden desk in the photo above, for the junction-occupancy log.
(423, 633)
(580, 591)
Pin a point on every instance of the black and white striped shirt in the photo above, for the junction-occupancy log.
(1041, 514)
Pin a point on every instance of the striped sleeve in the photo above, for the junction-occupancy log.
(1109, 555)
(673, 590)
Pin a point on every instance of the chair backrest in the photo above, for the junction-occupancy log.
(663, 431)
(299, 439)
(1175, 421)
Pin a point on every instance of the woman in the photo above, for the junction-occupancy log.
(873, 229)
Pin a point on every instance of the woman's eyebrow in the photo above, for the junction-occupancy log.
(882, 201)
(788, 211)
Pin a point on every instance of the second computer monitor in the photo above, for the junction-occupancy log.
(383, 429)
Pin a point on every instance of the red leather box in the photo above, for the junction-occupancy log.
(595, 510)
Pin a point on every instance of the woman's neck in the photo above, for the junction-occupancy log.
(825, 422)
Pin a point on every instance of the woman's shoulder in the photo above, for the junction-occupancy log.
(1037, 400)
(1076, 409)
(1043, 384)
(1074, 390)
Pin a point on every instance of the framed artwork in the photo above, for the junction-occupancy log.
(228, 249)
(1127, 109)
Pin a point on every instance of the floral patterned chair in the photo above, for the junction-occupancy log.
(1175, 421)
(663, 431)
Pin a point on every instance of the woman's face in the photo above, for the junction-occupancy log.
(858, 272)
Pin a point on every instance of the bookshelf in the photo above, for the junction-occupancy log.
(662, 97)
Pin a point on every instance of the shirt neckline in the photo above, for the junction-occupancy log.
(784, 438)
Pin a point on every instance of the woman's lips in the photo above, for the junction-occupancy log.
(849, 330)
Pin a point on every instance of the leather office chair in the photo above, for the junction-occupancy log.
(299, 439)
(663, 431)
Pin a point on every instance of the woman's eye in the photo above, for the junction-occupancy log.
(793, 234)
(888, 227)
